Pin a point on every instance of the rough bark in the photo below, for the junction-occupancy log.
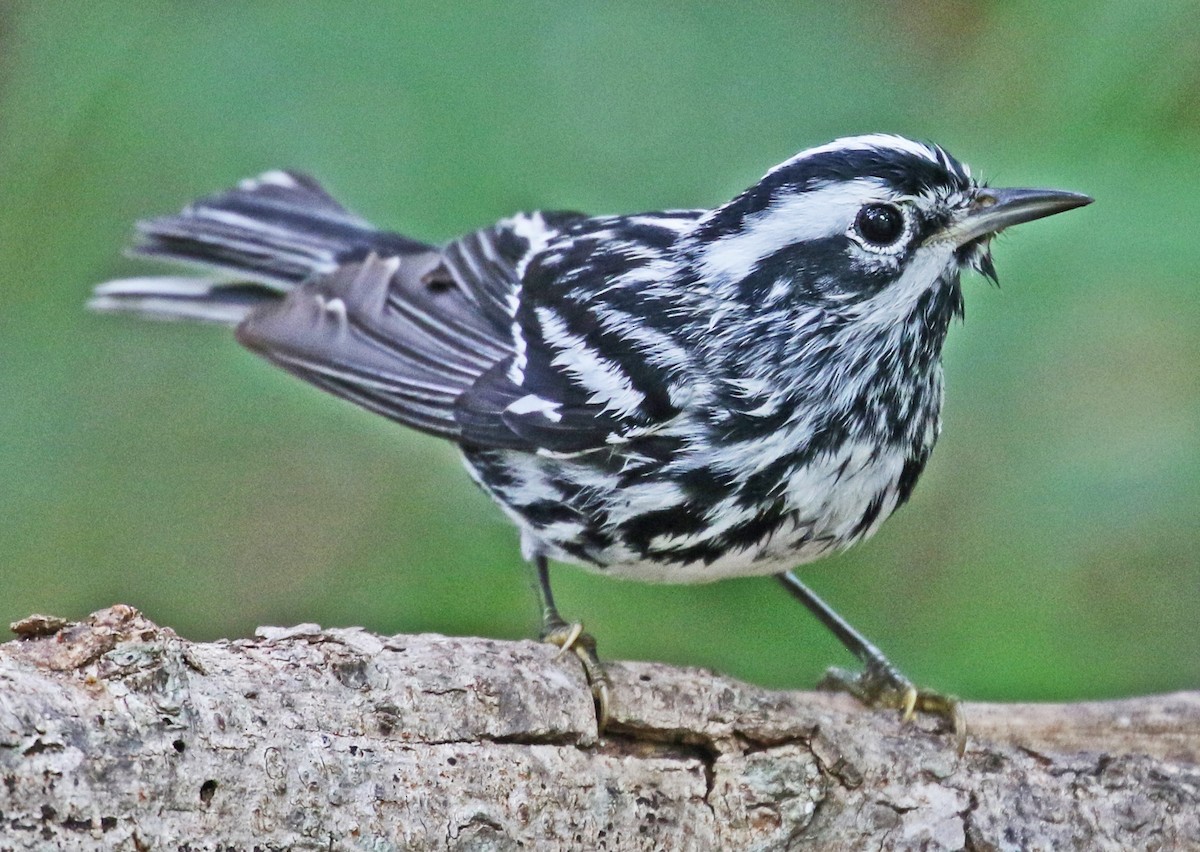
(117, 734)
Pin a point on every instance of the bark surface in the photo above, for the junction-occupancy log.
(117, 734)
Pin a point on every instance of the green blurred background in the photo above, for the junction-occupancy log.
(1051, 551)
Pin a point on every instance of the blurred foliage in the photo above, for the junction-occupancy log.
(1051, 550)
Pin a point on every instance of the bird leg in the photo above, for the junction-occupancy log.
(571, 637)
(879, 684)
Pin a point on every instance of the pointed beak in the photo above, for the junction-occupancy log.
(994, 210)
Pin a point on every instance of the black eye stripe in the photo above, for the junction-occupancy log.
(880, 224)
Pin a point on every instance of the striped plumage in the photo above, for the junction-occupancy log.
(676, 396)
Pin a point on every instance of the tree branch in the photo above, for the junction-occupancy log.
(117, 734)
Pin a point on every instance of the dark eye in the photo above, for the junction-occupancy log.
(880, 224)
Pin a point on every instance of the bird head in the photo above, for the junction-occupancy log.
(853, 248)
(870, 221)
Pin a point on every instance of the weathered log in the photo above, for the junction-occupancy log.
(117, 734)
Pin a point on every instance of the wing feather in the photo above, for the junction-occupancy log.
(504, 338)
(404, 335)
(583, 377)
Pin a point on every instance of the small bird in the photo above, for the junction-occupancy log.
(677, 396)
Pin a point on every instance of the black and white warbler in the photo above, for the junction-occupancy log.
(675, 396)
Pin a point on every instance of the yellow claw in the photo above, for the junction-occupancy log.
(601, 698)
(908, 703)
(960, 728)
(574, 631)
(570, 637)
(883, 686)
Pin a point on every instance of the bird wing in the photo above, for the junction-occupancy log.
(545, 332)
(405, 334)
(595, 362)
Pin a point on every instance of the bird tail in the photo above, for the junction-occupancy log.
(262, 238)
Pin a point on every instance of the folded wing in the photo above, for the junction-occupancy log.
(536, 334)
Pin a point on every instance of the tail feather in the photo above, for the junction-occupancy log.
(386, 322)
(272, 231)
(279, 227)
(181, 298)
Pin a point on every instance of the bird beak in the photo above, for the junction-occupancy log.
(994, 210)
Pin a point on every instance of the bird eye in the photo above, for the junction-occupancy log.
(880, 224)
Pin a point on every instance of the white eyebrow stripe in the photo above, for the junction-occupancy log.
(812, 215)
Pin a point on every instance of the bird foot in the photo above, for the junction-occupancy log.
(880, 685)
(571, 637)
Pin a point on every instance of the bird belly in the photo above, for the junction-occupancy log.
(827, 505)
(569, 511)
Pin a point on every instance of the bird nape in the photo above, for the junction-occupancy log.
(676, 396)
